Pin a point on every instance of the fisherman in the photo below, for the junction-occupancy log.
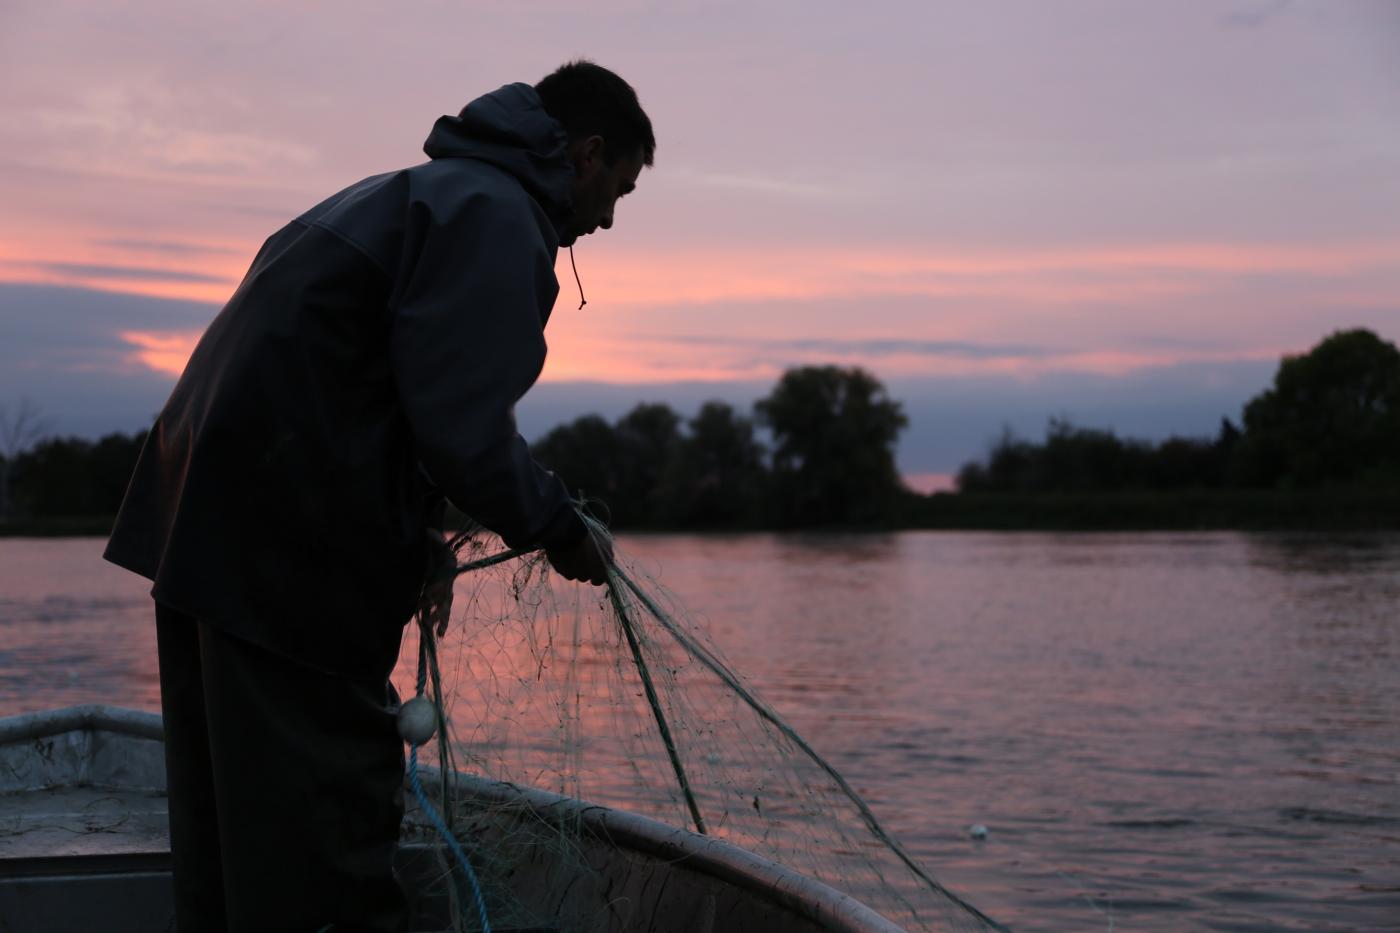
(367, 367)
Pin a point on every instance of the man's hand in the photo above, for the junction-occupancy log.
(435, 603)
(588, 560)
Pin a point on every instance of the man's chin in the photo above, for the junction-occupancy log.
(568, 239)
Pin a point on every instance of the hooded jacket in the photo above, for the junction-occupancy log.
(368, 363)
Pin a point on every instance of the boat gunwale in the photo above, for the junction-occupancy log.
(88, 717)
(809, 897)
(726, 862)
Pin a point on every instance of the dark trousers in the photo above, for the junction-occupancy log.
(285, 787)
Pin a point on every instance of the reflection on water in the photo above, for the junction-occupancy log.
(73, 629)
(1339, 554)
(1177, 731)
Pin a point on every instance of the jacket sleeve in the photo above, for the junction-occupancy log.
(467, 341)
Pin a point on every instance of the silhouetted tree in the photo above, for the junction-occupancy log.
(70, 476)
(113, 461)
(1332, 415)
(620, 464)
(584, 453)
(648, 439)
(1184, 463)
(1088, 458)
(1012, 465)
(19, 431)
(716, 478)
(1073, 459)
(834, 433)
(53, 477)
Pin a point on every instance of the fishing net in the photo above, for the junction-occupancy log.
(611, 695)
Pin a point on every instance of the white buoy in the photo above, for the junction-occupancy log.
(978, 832)
(417, 720)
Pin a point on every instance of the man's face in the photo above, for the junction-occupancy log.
(597, 187)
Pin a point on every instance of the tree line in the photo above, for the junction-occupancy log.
(827, 458)
(1331, 419)
(68, 477)
(819, 450)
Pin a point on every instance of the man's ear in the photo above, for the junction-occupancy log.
(588, 156)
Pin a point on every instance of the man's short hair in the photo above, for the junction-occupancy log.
(590, 100)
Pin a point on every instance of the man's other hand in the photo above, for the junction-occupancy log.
(436, 600)
(587, 560)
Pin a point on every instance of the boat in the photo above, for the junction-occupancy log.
(84, 847)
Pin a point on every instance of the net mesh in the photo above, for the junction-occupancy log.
(613, 696)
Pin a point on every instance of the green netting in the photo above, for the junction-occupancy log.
(613, 696)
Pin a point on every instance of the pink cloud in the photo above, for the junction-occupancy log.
(1074, 305)
(931, 482)
(164, 352)
(751, 273)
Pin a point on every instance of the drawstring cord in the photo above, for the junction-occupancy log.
(581, 300)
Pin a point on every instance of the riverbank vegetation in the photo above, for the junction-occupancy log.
(1319, 448)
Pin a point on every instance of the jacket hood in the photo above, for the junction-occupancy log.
(510, 129)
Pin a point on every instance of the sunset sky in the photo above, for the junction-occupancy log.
(1120, 212)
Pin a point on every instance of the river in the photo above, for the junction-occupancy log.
(1159, 731)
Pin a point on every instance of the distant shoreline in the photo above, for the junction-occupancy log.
(1195, 510)
(1185, 510)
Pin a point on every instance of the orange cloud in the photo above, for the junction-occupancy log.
(589, 350)
(1043, 296)
(192, 269)
(1078, 275)
(210, 270)
(162, 351)
(622, 360)
(931, 482)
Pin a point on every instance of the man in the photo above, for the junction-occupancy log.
(367, 365)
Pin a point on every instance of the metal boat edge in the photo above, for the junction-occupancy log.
(92, 753)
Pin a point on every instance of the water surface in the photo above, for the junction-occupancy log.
(1161, 731)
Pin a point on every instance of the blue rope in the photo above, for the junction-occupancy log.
(425, 632)
(447, 836)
